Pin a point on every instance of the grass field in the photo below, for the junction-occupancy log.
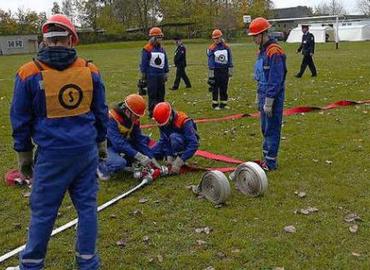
(247, 232)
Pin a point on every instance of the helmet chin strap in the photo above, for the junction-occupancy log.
(261, 42)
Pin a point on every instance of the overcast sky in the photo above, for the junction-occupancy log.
(46, 5)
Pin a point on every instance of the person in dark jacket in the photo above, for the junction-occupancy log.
(180, 63)
(308, 49)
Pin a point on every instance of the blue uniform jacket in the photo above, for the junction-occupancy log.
(270, 72)
(154, 60)
(187, 129)
(219, 56)
(130, 143)
(29, 121)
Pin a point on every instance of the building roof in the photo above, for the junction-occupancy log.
(292, 12)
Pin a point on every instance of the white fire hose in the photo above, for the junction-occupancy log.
(249, 177)
(147, 178)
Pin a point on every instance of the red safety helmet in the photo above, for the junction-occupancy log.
(216, 33)
(156, 32)
(64, 22)
(258, 26)
(162, 113)
(136, 104)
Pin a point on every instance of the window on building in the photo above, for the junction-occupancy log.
(15, 44)
(11, 44)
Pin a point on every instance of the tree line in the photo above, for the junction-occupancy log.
(190, 18)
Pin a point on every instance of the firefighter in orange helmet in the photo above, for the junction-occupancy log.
(220, 69)
(59, 105)
(154, 68)
(179, 139)
(126, 143)
(270, 73)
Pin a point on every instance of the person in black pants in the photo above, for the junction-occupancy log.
(180, 63)
(308, 49)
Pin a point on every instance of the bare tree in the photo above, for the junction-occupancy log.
(334, 7)
(56, 8)
(364, 6)
(68, 9)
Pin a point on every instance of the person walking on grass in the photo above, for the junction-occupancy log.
(180, 63)
(307, 48)
(59, 104)
(220, 69)
(270, 73)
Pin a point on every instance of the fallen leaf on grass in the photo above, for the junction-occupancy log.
(352, 217)
(300, 194)
(17, 226)
(290, 229)
(121, 243)
(143, 200)
(160, 258)
(26, 194)
(221, 255)
(206, 230)
(201, 242)
(146, 239)
(137, 212)
(353, 228)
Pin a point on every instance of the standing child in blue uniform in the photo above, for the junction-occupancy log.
(270, 73)
(126, 143)
(59, 104)
(220, 69)
(154, 68)
(178, 136)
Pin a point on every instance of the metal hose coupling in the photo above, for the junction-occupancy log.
(150, 174)
(250, 179)
(215, 187)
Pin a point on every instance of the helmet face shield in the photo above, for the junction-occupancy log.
(63, 22)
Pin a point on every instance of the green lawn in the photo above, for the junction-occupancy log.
(248, 232)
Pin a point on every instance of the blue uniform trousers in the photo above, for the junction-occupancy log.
(55, 173)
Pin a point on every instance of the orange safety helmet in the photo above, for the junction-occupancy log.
(64, 22)
(136, 104)
(161, 113)
(258, 26)
(156, 32)
(216, 33)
